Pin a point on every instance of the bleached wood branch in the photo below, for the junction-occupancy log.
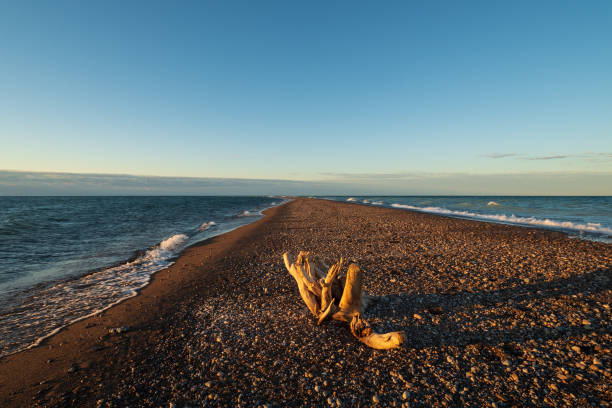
(327, 294)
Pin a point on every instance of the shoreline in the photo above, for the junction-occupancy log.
(576, 231)
(85, 350)
(34, 367)
(137, 254)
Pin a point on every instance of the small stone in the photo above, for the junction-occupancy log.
(405, 395)
(73, 369)
(576, 349)
(330, 402)
(586, 322)
(506, 363)
(118, 330)
(596, 361)
(437, 310)
(317, 388)
(417, 316)
(208, 384)
(514, 377)
(375, 399)
(553, 387)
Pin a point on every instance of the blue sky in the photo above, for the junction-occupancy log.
(368, 96)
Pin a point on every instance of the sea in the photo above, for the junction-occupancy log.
(587, 218)
(65, 258)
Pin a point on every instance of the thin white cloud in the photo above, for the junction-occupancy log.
(588, 156)
(551, 157)
(499, 155)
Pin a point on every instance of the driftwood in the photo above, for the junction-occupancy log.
(329, 294)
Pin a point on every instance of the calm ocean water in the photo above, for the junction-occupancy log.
(580, 217)
(64, 258)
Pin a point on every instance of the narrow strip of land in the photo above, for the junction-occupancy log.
(493, 314)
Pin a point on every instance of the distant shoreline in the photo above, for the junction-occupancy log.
(581, 226)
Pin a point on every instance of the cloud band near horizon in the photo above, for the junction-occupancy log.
(20, 183)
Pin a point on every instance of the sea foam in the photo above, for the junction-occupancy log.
(56, 306)
(513, 219)
(172, 243)
(249, 214)
(32, 313)
(207, 225)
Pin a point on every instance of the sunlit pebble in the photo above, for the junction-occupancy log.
(295, 326)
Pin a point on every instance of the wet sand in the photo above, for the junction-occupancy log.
(495, 315)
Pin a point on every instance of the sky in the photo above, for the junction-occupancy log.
(325, 97)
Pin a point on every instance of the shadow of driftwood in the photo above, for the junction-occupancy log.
(496, 317)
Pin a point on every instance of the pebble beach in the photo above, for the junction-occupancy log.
(494, 316)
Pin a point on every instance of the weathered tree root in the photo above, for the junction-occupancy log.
(322, 287)
(362, 330)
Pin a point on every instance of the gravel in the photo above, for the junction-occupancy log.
(495, 315)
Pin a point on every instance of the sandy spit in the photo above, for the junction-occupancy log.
(495, 315)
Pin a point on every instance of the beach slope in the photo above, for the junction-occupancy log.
(493, 314)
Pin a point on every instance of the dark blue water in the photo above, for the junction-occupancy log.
(64, 258)
(581, 217)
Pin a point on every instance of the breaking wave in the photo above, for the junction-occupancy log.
(351, 199)
(492, 203)
(248, 213)
(172, 243)
(207, 225)
(513, 219)
(30, 313)
(66, 302)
